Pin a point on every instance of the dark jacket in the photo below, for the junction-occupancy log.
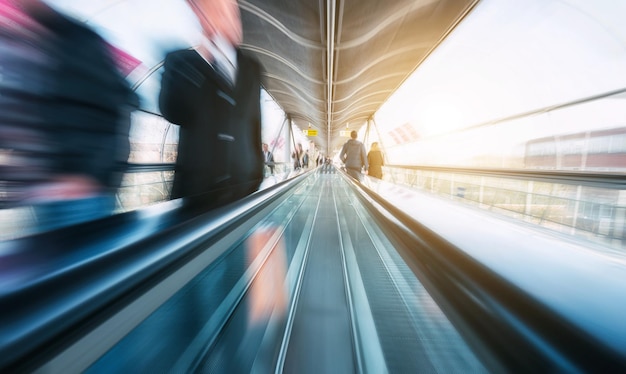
(220, 147)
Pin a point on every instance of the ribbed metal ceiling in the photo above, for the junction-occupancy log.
(331, 64)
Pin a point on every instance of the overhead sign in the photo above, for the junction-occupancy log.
(310, 132)
(345, 134)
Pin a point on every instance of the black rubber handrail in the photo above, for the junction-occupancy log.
(53, 284)
(612, 180)
(165, 166)
(148, 168)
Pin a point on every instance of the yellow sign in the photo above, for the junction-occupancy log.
(345, 134)
(310, 132)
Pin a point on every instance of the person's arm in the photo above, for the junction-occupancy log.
(364, 158)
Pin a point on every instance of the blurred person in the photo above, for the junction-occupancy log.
(268, 293)
(64, 116)
(320, 159)
(297, 157)
(305, 159)
(313, 154)
(376, 161)
(213, 93)
(268, 156)
(354, 157)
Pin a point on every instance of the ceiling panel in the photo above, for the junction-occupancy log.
(374, 46)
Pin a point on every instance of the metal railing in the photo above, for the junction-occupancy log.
(61, 280)
(591, 205)
(513, 326)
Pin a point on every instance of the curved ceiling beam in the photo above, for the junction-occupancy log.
(313, 113)
(364, 117)
(389, 21)
(291, 104)
(261, 14)
(342, 115)
(296, 98)
(369, 83)
(352, 118)
(306, 118)
(277, 57)
(300, 94)
(382, 58)
(360, 99)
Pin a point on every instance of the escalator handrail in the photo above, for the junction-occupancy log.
(50, 289)
(509, 329)
(612, 180)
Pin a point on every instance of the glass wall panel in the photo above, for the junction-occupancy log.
(532, 84)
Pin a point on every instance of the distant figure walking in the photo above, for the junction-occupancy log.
(354, 157)
(268, 156)
(376, 161)
(297, 157)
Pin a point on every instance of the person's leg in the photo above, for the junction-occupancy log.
(354, 174)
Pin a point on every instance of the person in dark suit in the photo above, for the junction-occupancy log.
(297, 156)
(268, 156)
(213, 93)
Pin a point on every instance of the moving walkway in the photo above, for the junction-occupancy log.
(315, 274)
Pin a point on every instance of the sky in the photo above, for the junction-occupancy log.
(507, 58)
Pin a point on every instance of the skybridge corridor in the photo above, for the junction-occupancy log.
(493, 241)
